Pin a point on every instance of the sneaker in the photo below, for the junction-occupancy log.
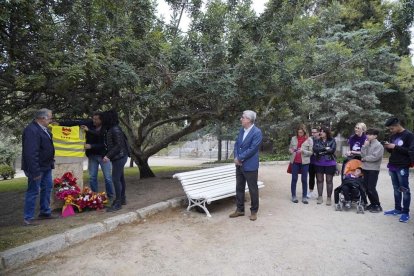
(337, 207)
(375, 209)
(294, 199)
(47, 216)
(348, 205)
(304, 200)
(115, 207)
(320, 200)
(309, 194)
(236, 214)
(392, 212)
(253, 216)
(29, 222)
(369, 207)
(328, 201)
(404, 218)
(123, 201)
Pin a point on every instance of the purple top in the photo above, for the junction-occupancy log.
(324, 162)
(355, 142)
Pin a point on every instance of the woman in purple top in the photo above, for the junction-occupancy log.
(324, 149)
(355, 142)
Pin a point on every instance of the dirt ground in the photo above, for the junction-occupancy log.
(287, 239)
(140, 193)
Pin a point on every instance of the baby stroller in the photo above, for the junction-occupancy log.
(351, 190)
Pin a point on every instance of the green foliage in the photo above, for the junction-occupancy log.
(9, 147)
(6, 172)
(265, 157)
(315, 62)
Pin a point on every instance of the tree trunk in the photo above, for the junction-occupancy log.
(219, 139)
(144, 169)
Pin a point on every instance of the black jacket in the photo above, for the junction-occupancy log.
(320, 151)
(404, 147)
(116, 143)
(93, 137)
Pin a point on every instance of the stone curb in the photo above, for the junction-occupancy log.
(20, 255)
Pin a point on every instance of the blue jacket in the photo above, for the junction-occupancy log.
(247, 151)
(38, 152)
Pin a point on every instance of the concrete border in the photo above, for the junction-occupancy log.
(12, 258)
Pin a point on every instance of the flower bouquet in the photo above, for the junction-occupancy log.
(91, 200)
(66, 186)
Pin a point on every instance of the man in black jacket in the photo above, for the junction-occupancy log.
(95, 151)
(400, 146)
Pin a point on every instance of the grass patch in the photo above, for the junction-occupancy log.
(13, 185)
(263, 157)
(20, 184)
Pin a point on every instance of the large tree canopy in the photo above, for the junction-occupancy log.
(319, 62)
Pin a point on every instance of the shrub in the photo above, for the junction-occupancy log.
(6, 172)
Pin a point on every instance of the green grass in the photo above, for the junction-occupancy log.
(13, 185)
(20, 184)
(264, 157)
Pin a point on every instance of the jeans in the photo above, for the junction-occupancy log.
(45, 185)
(401, 189)
(251, 178)
(93, 165)
(118, 179)
(303, 168)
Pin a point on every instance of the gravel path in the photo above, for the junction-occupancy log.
(287, 239)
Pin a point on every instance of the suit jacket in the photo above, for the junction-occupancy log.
(247, 151)
(38, 152)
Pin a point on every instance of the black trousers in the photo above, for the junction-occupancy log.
(370, 186)
(251, 178)
(312, 176)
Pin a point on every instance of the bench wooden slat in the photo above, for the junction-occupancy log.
(207, 179)
(207, 185)
(208, 171)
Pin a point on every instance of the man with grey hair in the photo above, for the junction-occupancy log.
(246, 158)
(38, 155)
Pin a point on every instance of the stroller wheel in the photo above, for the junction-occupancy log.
(338, 207)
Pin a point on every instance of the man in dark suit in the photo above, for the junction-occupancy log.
(246, 158)
(37, 163)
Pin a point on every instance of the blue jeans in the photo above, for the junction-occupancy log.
(401, 189)
(118, 179)
(45, 185)
(303, 168)
(93, 165)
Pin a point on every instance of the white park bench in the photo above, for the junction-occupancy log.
(207, 185)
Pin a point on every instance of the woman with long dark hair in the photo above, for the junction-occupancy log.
(117, 153)
(324, 149)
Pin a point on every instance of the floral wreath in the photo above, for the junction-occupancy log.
(66, 189)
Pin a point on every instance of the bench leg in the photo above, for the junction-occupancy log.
(198, 202)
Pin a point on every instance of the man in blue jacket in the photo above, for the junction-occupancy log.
(38, 155)
(246, 158)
